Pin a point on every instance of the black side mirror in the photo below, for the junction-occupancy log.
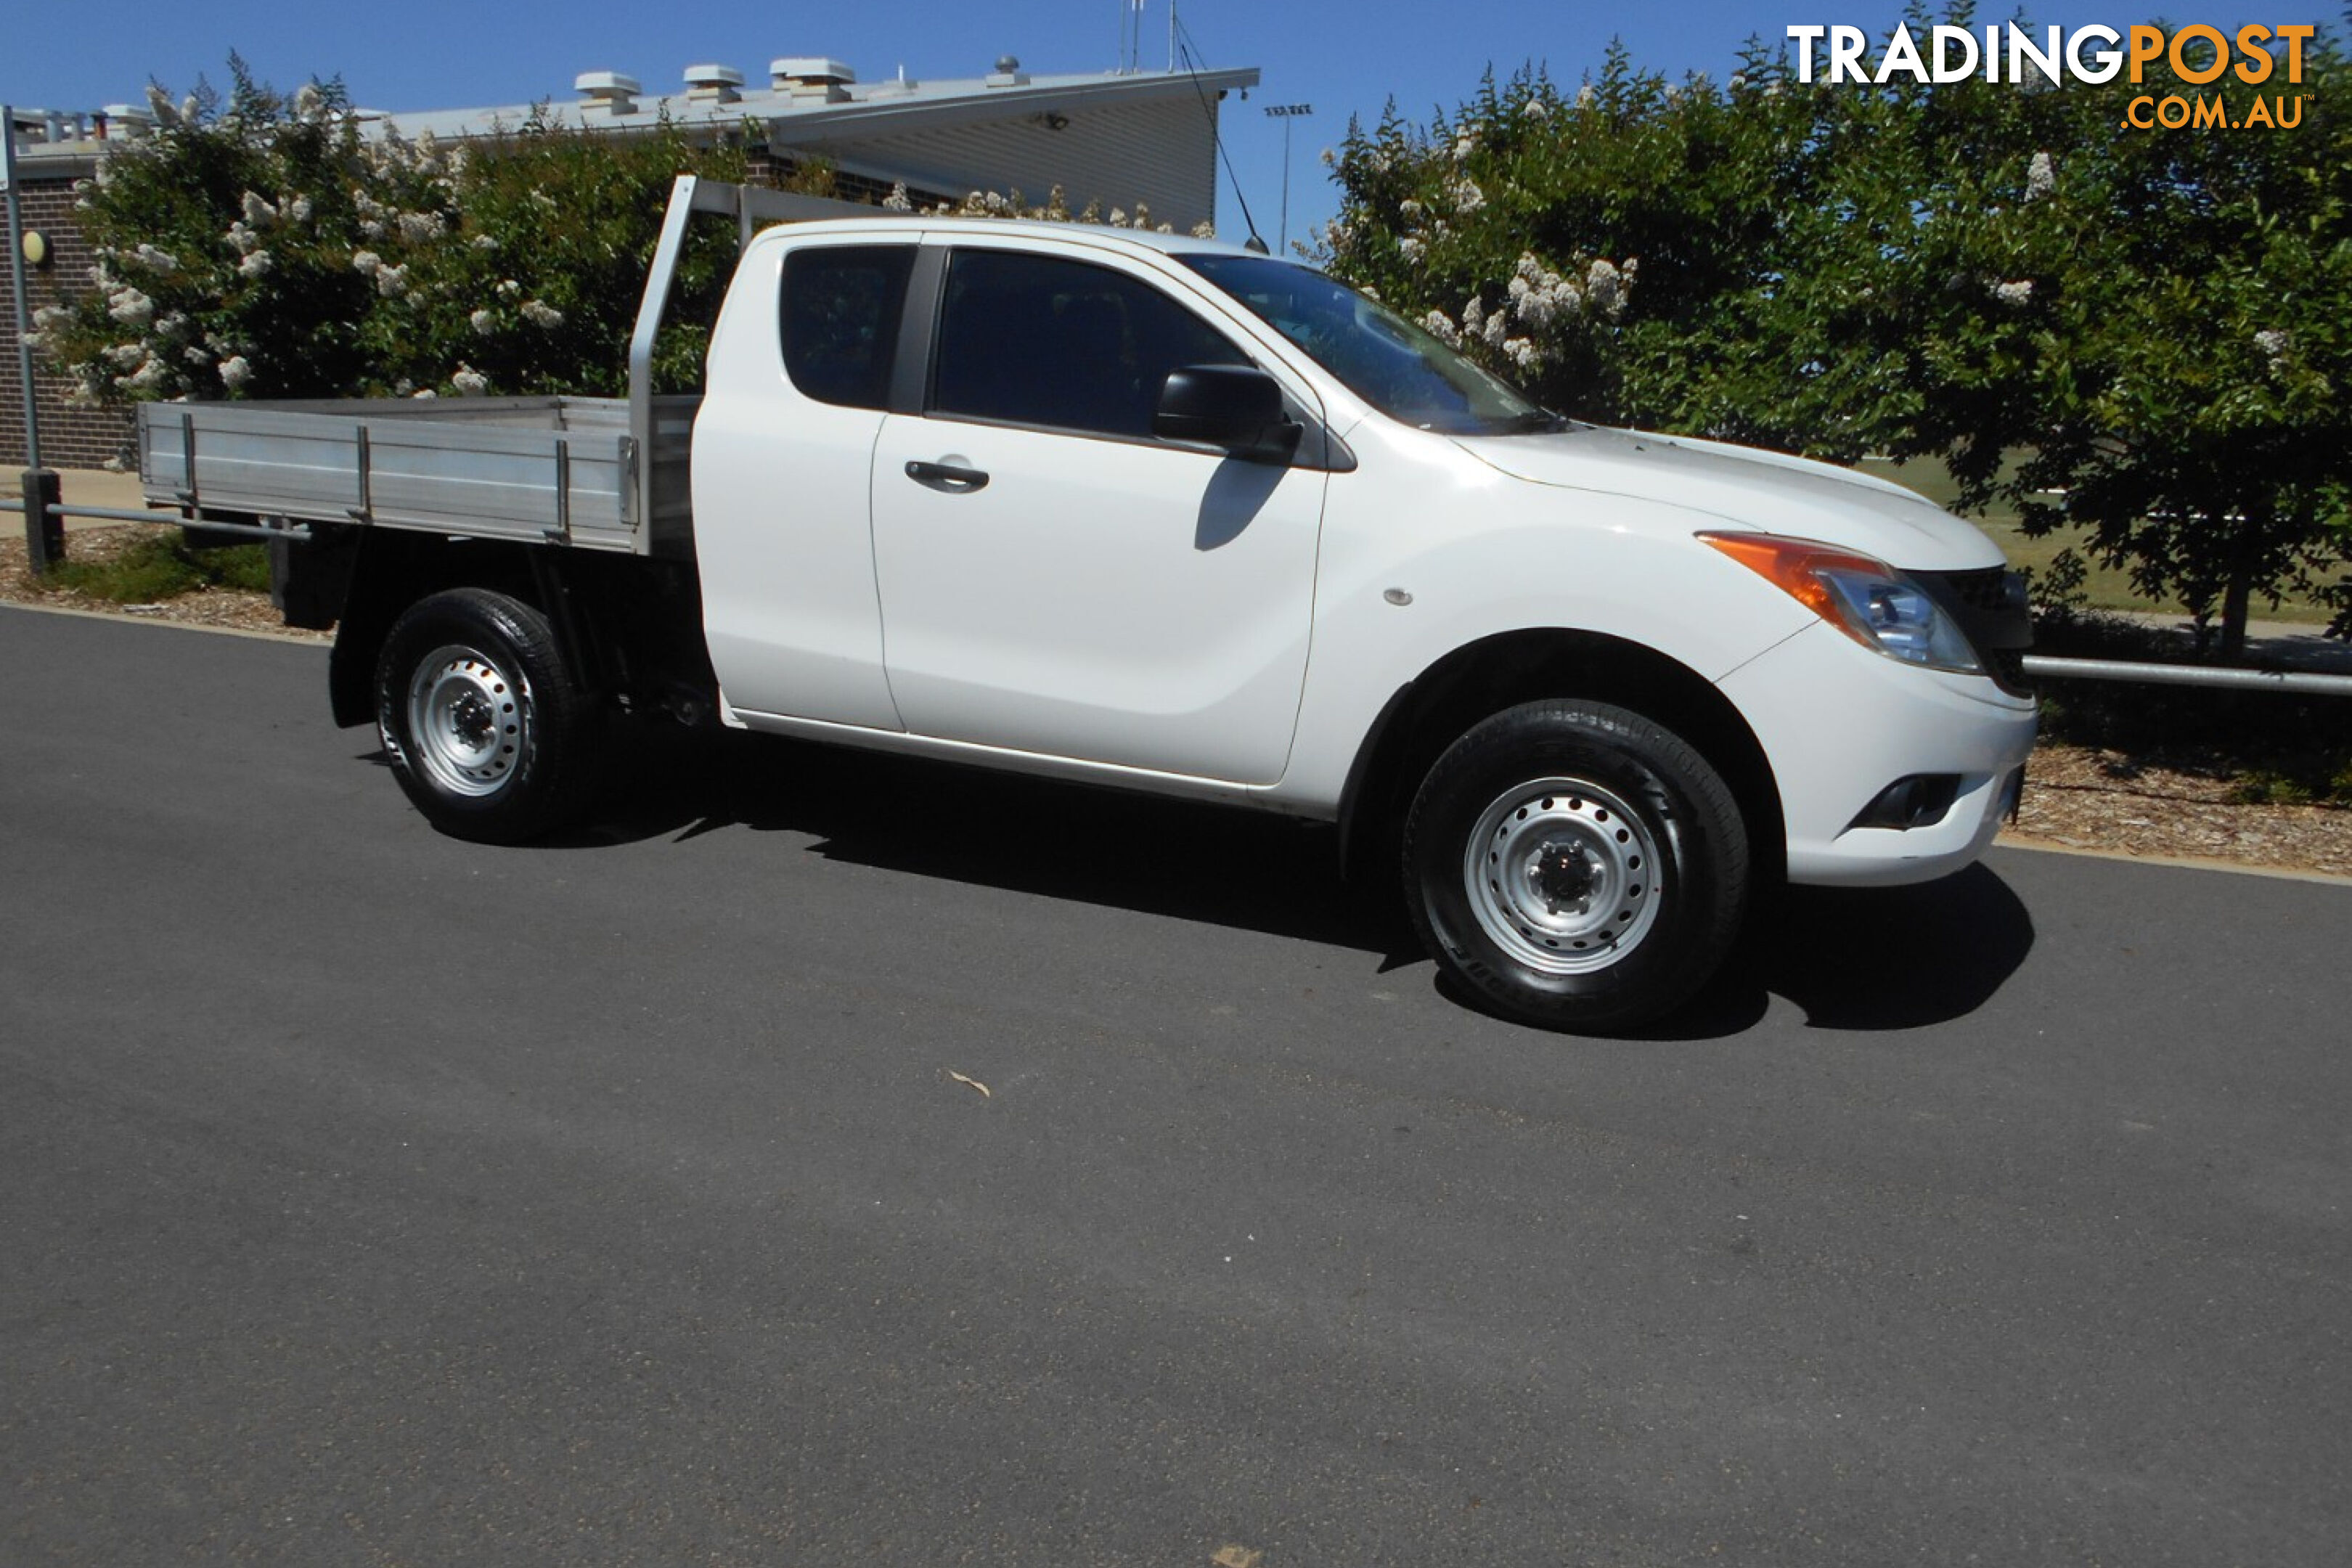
(1236, 407)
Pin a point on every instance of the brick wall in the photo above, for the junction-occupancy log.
(70, 437)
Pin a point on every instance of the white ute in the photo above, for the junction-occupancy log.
(1169, 515)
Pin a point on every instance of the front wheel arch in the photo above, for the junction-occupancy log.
(1427, 713)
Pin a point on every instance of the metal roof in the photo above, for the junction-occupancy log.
(841, 111)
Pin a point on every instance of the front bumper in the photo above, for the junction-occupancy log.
(1839, 724)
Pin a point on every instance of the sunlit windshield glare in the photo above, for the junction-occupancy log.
(1400, 368)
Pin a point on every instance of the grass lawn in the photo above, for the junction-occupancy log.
(2109, 588)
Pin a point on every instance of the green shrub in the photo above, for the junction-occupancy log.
(163, 565)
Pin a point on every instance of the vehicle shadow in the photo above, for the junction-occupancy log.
(1858, 959)
(1868, 958)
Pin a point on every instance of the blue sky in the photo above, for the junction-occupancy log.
(1342, 58)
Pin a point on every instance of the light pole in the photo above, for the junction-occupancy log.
(1286, 112)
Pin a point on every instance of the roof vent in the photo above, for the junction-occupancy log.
(811, 79)
(713, 84)
(606, 91)
(1008, 72)
(128, 122)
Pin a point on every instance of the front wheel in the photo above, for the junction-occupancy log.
(1576, 866)
(487, 731)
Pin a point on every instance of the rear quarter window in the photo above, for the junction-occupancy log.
(841, 310)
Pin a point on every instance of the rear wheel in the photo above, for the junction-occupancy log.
(1576, 866)
(489, 731)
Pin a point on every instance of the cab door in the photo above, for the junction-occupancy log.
(1055, 580)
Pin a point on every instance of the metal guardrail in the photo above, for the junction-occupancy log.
(2040, 667)
(297, 534)
(2045, 668)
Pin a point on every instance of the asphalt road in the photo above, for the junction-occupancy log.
(366, 1197)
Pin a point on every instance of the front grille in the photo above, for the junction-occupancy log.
(1990, 606)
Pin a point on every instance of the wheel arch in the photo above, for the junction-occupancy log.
(395, 569)
(625, 623)
(1427, 713)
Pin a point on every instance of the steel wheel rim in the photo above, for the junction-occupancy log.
(467, 721)
(1561, 876)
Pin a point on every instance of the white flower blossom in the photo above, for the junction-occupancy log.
(469, 382)
(366, 261)
(235, 372)
(1536, 109)
(483, 322)
(418, 228)
(122, 356)
(541, 314)
(897, 200)
(1412, 250)
(391, 282)
(129, 307)
(161, 262)
(1538, 295)
(484, 242)
(2040, 178)
(146, 378)
(1205, 229)
(196, 354)
(423, 396)
(1329, 158)
(160, 104)
(1464, 146)
(1467, 197)
(1474, 316)
(1522, 352)
(1604, 289)
(309, 103)
(1584, 96)
(256, 265)
(1119, 218)
(243, 237)
(2271, 341)
(1499, 327)
(2016, 293)
(509, 289)
(258, 213)
(190, 108)
(1410, 209)
(1442, 325)
(299, 209)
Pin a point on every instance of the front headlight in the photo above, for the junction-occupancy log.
(1867, 599)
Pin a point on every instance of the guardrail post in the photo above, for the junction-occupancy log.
(44, 530)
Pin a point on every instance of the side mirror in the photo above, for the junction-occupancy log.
(1236, 407)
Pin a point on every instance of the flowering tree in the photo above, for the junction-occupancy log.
(260, 246)
(2154, 321)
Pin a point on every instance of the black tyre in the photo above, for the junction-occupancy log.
(489, 734)
(1575, 866)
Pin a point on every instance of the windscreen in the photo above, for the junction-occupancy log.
(1402, 369)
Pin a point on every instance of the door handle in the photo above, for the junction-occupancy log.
(946, 477)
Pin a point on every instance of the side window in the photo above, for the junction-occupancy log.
(1036, 339)
(842, 306)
